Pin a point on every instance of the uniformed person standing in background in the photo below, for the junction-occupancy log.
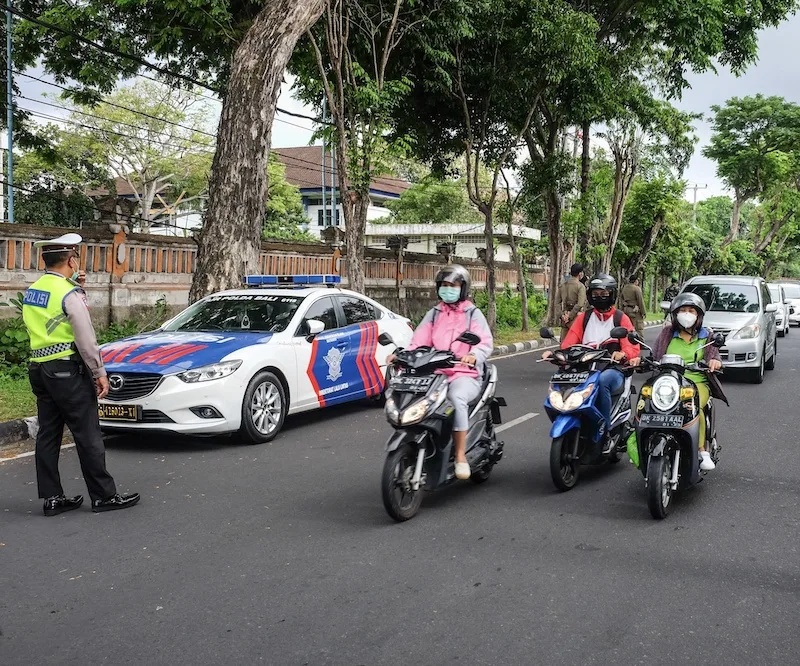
(573, 296)
(67, 376)
(633, 304)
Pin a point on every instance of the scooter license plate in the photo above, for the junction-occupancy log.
(411, 384)
(663, 420)
(570, 377)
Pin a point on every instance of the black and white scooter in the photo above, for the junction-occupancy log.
(420, 451)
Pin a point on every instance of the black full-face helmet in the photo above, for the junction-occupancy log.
(605, 282)
(457, 275)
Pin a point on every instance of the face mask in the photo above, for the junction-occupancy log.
(450, 294)
(75, 276)
(686, 319)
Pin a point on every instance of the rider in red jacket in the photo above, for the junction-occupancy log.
(593, 328)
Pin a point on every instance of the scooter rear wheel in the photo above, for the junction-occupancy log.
(659, 489)
(400, 501)
(563, 469)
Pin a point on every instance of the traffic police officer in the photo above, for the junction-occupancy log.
(573, 296)
(67, 376)
(633, 303)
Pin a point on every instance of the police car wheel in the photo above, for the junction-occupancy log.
(263, 409)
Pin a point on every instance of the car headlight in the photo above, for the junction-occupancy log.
(666, 392)
(414, 413)
(207, 373)
(747, 332)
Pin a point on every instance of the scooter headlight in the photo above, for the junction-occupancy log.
(391, 410)
(576, 398)
(666, 392)
(556, 400)
(415, 413)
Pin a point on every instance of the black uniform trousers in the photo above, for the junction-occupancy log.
(65, 394)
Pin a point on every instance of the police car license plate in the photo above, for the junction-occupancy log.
(663, 420)
(411, 384)
(570, 377)
(119, 412)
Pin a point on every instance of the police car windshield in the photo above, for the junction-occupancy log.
(258, 313)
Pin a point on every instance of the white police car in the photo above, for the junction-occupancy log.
(242, 360)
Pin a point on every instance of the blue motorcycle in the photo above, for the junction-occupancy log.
(579, 430)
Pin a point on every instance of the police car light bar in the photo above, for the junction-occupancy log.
(291, 280)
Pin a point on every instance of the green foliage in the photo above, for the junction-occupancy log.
(14, 339)
(509, 307)
(285, 218)
(433, 202)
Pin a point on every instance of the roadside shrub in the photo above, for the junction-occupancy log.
(509, 307)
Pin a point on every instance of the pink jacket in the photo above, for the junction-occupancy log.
(444, 323)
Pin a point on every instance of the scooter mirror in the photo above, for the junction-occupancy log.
(633, 338)
(470, 338)
(384, 339)
(718, 340)
(546, 333)
(665, 306)
(619, 333)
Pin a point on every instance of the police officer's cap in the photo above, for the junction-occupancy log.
(60, 244)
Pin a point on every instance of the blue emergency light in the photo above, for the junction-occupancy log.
(292, 280)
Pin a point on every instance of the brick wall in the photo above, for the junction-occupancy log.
(127, 273)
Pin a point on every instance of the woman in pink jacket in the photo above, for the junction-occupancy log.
(439, 329)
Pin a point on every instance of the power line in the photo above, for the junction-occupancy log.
(137, 59)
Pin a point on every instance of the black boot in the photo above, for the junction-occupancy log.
(59, 504)
(115, 502)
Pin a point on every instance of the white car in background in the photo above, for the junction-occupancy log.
(242, 360)
(782, 313)
(792, 293)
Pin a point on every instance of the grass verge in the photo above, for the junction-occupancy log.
(17, 399)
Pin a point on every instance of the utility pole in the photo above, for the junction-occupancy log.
(324, 177)
(10, 111)
(695, 187)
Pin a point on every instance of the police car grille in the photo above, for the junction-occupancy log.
(134, 386)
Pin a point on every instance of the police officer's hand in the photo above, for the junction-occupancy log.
(81, 278)
(101, 383)
(565, 317)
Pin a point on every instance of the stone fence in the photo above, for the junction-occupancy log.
(128, 273)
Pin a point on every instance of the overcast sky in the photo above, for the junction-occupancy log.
(775, 73)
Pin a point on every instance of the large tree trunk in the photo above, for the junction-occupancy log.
(650, 237)
(623, 182)
(355, 206)
(230, 241)
(558, 257)
(521, 283)
(738, 200)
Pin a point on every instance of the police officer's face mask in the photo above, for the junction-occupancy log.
(73, 264)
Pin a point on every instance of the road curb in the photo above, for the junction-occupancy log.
(531, 345)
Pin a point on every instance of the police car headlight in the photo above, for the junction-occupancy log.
(207, 373)
(666, 392)
(414, 413)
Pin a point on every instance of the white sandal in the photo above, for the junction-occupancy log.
(462, 470)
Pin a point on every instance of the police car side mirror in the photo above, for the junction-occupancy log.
(313, 328)
(470, 338)
(546, 334)
(619, 333)
(385, 340)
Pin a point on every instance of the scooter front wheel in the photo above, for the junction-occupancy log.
(564, 468)
(659, 486)
(400, 500)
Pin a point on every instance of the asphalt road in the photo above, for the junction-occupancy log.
(283, 554)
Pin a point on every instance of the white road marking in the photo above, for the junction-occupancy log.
(28, 454)
(516, 421)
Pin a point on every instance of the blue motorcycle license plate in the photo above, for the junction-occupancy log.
(663, 420)
(570, 377)
(411, 384)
